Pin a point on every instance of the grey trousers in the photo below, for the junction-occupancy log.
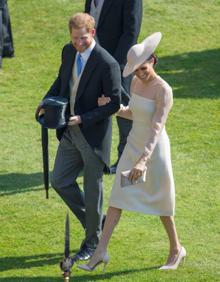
(74, 154)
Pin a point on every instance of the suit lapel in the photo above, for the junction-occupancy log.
(107, 4)
(87, 72)
(70, 57)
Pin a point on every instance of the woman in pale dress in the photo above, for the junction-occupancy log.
(146, 156)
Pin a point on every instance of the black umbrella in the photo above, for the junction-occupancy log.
(54, 117)
(44, 141)
(67, 262)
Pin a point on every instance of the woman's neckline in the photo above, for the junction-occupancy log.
(135, 94)
(150, 82)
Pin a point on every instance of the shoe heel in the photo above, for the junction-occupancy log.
(180, 260)
(103, 260)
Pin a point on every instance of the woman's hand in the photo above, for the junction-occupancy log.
(122, 110)
(138, 170)
(102, 101)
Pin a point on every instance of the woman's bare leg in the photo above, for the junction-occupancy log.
(175, 247)
(112, 218)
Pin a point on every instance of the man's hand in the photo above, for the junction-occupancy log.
(102, 101)
(74, 120)
(39, 111)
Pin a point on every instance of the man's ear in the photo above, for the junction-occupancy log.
(93, 32)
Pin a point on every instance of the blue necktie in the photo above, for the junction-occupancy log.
(79, 64)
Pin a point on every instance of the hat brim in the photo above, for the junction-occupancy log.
(147, 47)
(130, 69)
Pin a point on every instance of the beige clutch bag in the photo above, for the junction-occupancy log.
(126, 182)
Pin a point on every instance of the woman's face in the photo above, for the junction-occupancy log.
(145, 71)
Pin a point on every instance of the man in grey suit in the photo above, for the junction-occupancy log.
(86, 73)
(118, 24)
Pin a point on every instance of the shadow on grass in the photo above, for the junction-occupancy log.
(7, 263)
(193, 74)
(109, 275)
(13, 183)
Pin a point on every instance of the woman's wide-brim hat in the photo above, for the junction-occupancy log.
(139, 53)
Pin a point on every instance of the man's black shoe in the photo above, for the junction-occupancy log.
(84, 253)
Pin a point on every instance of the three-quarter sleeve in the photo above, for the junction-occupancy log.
(163, 104)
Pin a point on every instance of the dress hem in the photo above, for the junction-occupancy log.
(142, 211)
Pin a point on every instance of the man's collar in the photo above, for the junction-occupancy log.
(85, 55)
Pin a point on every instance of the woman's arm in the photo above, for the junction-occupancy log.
(164, 101)
(125, 111)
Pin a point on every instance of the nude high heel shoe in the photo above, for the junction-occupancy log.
(180, 258)
(104, 260)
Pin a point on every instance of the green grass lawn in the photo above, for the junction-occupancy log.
(32, 228)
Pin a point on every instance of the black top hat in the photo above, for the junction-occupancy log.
(55, 115)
